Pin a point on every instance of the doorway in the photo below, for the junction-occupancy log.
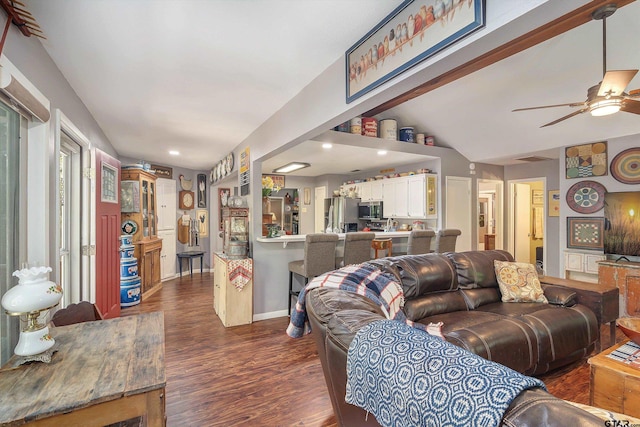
(490, 219)
(527, 220)
(458, 210)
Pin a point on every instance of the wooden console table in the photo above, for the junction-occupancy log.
(103, 372)
(614, 385)
(602, 299)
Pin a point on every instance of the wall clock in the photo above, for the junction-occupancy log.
(186, 199)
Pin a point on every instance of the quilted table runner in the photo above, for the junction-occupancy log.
(240, 272)
(406, 377)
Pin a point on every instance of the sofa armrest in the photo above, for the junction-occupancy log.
(558, 295)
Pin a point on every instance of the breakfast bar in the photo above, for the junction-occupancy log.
(399, 236)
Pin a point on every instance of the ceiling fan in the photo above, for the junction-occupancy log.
(608, 96)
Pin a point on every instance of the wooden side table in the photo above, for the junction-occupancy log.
(190, 255)
(103, 372)
(602, 299)
(614, 385)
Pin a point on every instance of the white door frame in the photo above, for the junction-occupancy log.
(498, 208)
(63, 124)
(510, 214)
(320, 193)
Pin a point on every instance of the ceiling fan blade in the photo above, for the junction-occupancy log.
(572, 104)
(631, 106)
(568, 116)
(635, 93)
(615, 82)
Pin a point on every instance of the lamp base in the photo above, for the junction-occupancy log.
(34, 342)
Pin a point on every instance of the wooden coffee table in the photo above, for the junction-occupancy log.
(614, 385)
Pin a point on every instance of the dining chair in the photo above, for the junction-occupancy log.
(357, 248)
(319, 258)
(83, 311)
(446, 240)
(420, 242)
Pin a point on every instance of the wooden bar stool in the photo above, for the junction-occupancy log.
(381, 245)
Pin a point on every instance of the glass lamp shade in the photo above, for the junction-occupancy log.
(33, 294)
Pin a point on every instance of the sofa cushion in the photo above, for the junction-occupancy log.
(325, 302)
(475, 268)
(460, 319)
(432, 304)
(518, 282)
(424, 274)
(519, 351)
(480, 296)
(559, 295)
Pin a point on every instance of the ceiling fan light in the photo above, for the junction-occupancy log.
(605, 107)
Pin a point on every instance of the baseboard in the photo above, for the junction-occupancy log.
(270, 315)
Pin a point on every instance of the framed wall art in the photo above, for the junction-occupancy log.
(586, 160)
(411, 33)
(585, 233)
(202, 190)
(586, 197)
(625, 166)
(537, 197)
(163, 171)
(223, 198)
(202, 218)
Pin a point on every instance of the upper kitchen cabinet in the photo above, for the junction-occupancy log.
(413, 196)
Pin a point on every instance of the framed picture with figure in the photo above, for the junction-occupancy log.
(202, 190)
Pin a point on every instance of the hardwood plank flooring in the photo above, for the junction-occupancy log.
(255, 375)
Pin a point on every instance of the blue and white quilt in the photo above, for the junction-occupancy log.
(406, 377)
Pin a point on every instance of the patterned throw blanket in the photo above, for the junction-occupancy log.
(364, 279)
(408, 378)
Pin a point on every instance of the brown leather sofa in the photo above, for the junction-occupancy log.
(458, 289)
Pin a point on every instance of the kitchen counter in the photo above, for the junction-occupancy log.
(284, 240)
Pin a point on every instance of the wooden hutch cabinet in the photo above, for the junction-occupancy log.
(139, 207)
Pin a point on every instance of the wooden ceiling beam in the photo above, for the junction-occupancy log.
(545, 32)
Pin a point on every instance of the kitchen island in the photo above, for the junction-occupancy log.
(301, 237)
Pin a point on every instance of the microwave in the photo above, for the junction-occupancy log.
(370, 211)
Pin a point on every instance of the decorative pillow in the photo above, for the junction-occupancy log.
(518, 282)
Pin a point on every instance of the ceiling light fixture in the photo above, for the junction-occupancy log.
(382, 152)
(174, 153)
(327, 145)
(290, 167)
(604, 107)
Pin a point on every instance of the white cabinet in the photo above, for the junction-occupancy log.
(167, 254)
(582, 265)
(370, 191)
(412, 196)
(167, 195)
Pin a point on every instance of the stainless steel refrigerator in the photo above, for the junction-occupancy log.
(341, 214)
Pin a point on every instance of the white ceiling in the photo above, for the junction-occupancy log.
(200, 76)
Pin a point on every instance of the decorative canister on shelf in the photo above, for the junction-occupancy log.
(356, 125)
(33, 294)
(389, 129)
(406, 134)
(369, 126)
(420, 138)
(343, 127)
(430, 140)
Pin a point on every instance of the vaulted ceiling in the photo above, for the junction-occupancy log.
(200, 76)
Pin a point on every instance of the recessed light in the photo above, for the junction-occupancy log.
(174, 153)
(290, 167)
(382, 152)
(327, 145)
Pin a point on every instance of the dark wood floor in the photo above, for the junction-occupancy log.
(255, 374)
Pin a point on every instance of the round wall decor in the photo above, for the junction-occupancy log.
(625, 166)
(129, 227)
(586, 197)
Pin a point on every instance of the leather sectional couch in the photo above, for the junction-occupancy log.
(461, 290)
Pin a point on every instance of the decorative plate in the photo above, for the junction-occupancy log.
(129, 227)
(586, 197)
(625, 167)
(229, 162)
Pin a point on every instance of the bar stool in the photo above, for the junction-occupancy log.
(382, 244)
(357, 248)
(319, 258)
(446, 240)
(420, 242)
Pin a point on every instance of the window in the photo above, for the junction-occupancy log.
(11, 124)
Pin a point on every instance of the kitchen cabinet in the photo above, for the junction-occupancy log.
(370, 191)
(233, 289)
(412, 196)
(167, 196)
(168, 254)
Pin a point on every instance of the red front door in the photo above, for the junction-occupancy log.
(107, 235)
